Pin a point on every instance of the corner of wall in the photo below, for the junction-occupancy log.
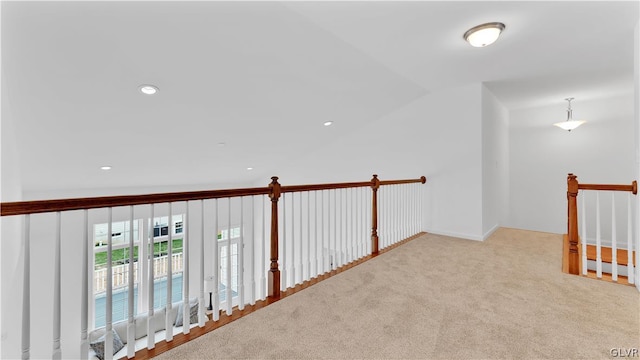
(495, 162)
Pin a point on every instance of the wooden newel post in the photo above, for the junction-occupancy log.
(572, 231)
(375, 185)
(274, 271)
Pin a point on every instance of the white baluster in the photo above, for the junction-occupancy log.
(341, 247)
(186, 311)
(26, 291)
(598, 238)
(614, 245)
(363, 219)
(354, 225)
(168, 318)
(252, 254)
(308, 277)
(381, 216)
(630, 268)
(131, 327)
(283, 256)
(292, 264)
(392, 215)
(317, 235)
(358, 224)
(321, 264)
(403, 212)
(84, 302)
(347, 226)
(150, 328)
(229, 290)
(240, 262)
(108, 336)
(391, 212)
(301, 242)
(337, 243)
(216, 266)
(583, 238)
(57, 352)
(263, 268)
(202, 319)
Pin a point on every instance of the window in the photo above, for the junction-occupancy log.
(120, 232)
(120, 266)
(224, 256)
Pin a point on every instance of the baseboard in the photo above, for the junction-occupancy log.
(490, 232)
(455, 234)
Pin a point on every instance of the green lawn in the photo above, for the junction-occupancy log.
(121, 256)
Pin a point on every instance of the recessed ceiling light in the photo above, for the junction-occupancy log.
(483, 35)
(249, 168)
(105, 168)
(328, 123)
(148, 89)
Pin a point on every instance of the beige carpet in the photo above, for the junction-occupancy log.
(440, 297)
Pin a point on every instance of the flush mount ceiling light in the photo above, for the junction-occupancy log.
(105, 168)
(148, 89)
(570, 124)
(483, 35)
(328, 123)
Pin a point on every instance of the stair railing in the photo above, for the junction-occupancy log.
(577, 251)
(314, 230)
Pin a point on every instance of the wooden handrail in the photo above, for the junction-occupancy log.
(42, 206)
(633, 188)
(331, 186)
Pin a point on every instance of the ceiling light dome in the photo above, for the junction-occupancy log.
(485, 34)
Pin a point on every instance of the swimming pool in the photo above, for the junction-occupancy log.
(119, 299)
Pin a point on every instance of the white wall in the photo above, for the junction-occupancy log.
(10, 250)
(541, 155)
(495, 163)
(437, 135)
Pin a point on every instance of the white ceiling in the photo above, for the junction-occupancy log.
(262, 77)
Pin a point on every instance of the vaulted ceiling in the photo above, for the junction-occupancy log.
(243, 83)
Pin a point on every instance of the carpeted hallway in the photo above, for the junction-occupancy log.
(440, 297)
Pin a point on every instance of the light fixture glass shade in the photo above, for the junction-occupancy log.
(483, 35)
(208, 284)
(569, 125)
(148, 89)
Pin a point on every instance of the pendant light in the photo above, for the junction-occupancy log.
(570, 124)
